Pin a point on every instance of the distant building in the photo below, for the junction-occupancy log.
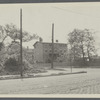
(28, 54)
(13, 51)
(43, 52)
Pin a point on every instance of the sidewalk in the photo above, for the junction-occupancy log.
(59, 71)
(49, 72)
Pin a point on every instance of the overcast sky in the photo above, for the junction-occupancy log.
(38, 19)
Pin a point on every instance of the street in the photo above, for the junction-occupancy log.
(84, 83)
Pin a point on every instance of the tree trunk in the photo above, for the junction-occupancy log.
(88, 54)
(83, 54)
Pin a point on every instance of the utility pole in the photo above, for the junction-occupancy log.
(52, 46)
(21, 58)
(71, 59)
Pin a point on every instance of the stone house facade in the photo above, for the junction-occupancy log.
(43, 52)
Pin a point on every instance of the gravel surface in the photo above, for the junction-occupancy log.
(86, 83)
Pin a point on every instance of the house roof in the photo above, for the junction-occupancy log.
(48, 43)
(54, 43)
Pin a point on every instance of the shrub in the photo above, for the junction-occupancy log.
(11, 65)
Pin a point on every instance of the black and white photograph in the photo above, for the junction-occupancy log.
(50, 49)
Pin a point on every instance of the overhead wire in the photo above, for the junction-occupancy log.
(71, 11)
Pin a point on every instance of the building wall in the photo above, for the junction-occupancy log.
(60, 52)
(43, 52)
(38, 52)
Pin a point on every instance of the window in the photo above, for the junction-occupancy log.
(46, 50)
(61, 53)
(55, 50)
(64, 50)
(60, 50)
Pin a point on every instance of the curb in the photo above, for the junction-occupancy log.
(37, 76)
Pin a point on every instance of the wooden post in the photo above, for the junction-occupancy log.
(21, 58)
(52, 46)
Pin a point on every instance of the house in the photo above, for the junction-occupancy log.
(43, 52)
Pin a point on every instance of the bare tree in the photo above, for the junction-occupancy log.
(2, 37)
(10, 30)
(14, 33)
(74, 46)
(81, 43)
(89, 43)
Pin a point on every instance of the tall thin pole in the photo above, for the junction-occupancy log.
(71, 60)
(52, 46)
(21, 58)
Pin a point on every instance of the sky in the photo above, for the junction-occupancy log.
(38, 19)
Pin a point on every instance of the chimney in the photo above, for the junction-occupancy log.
(40, 39)
(56, 41)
